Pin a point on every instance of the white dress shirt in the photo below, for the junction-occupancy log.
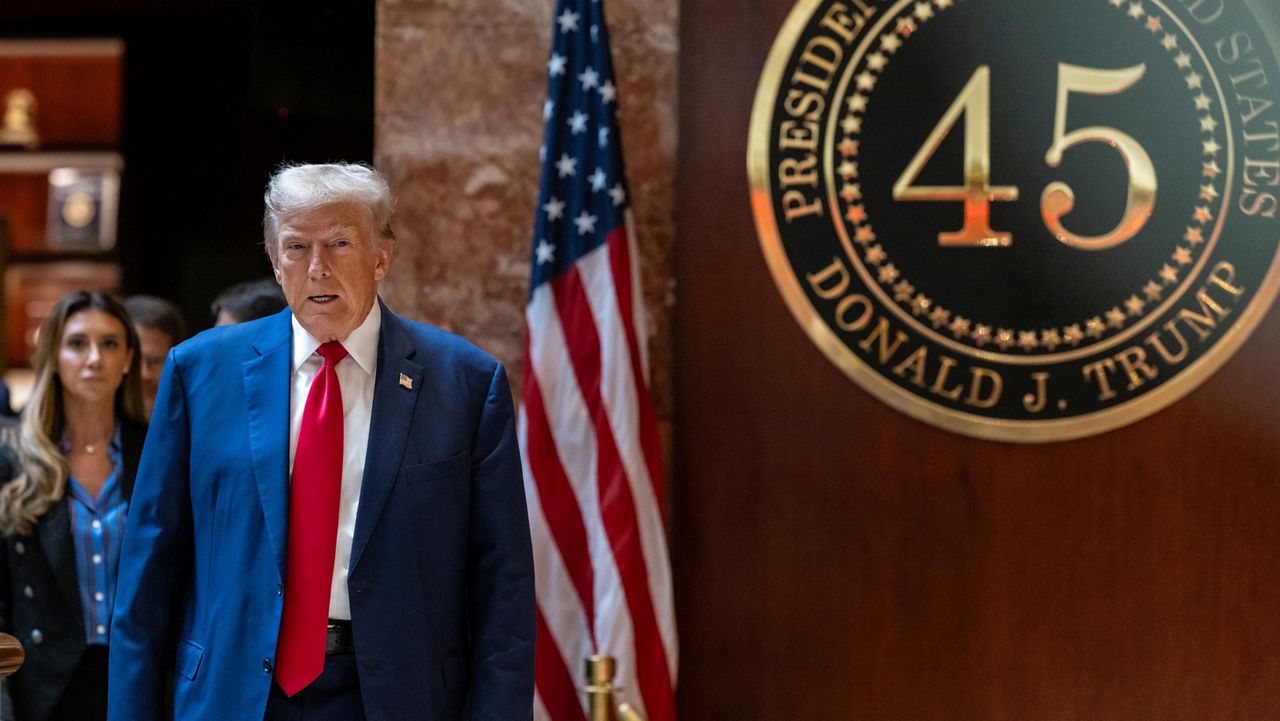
(355, 376)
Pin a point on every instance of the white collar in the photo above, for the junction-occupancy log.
(361, 344)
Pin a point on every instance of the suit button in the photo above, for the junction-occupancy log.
(28, 592)
(19, 548)
(279, 589)
(36, 636)
(266, 666)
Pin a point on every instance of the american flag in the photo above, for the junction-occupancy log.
(593, 474)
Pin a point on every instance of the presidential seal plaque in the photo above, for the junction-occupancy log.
(1022, 221)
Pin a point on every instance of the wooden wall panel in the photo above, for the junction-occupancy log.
(835, 559)
(77, 85)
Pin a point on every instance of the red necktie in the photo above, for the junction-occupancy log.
(313, 529)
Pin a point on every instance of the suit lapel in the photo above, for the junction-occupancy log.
(266, 388)
(54, 531)
(391, 416)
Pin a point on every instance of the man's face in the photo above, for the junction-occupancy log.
(328, 262)
(155, 348)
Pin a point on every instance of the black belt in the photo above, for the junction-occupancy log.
(339, 638)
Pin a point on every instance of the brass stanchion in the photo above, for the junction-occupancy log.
(599, 688)
(11, 655)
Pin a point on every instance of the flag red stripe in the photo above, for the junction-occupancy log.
(555, 686)
(555, 494)
(620, 265)
(616, 503)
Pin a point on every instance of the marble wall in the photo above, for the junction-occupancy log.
(460, 89)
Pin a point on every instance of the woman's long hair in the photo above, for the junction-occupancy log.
(41, 481)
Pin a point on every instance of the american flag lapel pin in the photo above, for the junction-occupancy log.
(406, 382)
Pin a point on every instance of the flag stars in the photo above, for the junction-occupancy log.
(586, 223)
(608, 92)
(599, 180)
(566, 166)
(589, 78)
(556, 64)
(554, 208)
(618, 194)
(548, 109)
(545, 251)
(568, 21)
(578, 122)
(602, 137)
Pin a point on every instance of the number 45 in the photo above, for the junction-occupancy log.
(1058, 199)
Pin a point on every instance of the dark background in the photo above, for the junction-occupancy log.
(216, 95)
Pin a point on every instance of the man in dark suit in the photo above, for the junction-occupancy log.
(329, 520)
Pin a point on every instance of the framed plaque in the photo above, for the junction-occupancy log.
(83, 205)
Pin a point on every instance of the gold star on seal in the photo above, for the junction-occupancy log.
(876, 255)
(943, 4)
(1194, 236)
(1072, 334)
(940, 317)
(851, 192)
(1152, 291)
(1115, 318)
(1211, 146)
(921, 304)
(1183, 60)
(1202, 101)
(1050, 339)
(1027, 340)
(866, 81)
(1208, 192)
(1170, 41)
(856, 214)
(923, 10)
(864, 235)
(889, 273)
(982, 334)
(1004, 338)
(857, 103)
(1094, 327)
(1168, 274)
(1211, 169)
(906, 26)
(1135, 306)
(1116, 3)
(1136, 11)
(1194, 81)
(890, 42)
(848, 147)
(1154, 25)
(903, 291)
(1208, 124)
(1203, 215)
(877, 61)
(848, 170)
(851, 125)
(960, 327)
(1182, 256)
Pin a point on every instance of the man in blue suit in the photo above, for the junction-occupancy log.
(329, 520)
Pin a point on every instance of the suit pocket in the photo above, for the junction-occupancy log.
(188, 659)
(455, 466)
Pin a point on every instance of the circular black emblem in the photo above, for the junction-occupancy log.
(1024, 221)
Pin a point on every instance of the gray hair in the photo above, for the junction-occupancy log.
(303, 187)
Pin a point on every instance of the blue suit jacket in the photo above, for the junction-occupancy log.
(441, 574)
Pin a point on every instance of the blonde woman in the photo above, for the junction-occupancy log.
(74, 452)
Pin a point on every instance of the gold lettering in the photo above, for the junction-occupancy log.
(839, 21)
(1223, 275)
(796, 205)
(1206, 12)
(881, 332)
(1254, 203)
(842, 310)
(1035, 402)
(1233, 47)
(1256, 71)
(1156, 342)
(1272, 137)
(798, 172)
(1134, 359)
(798, 136)
(800, 104)
(1265, 172)
(1257, 106)
(821, 281)
(976, 399)
(825, 63)
(915, 364)
(1203, 323)
(1099, 371)
(940, 382)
